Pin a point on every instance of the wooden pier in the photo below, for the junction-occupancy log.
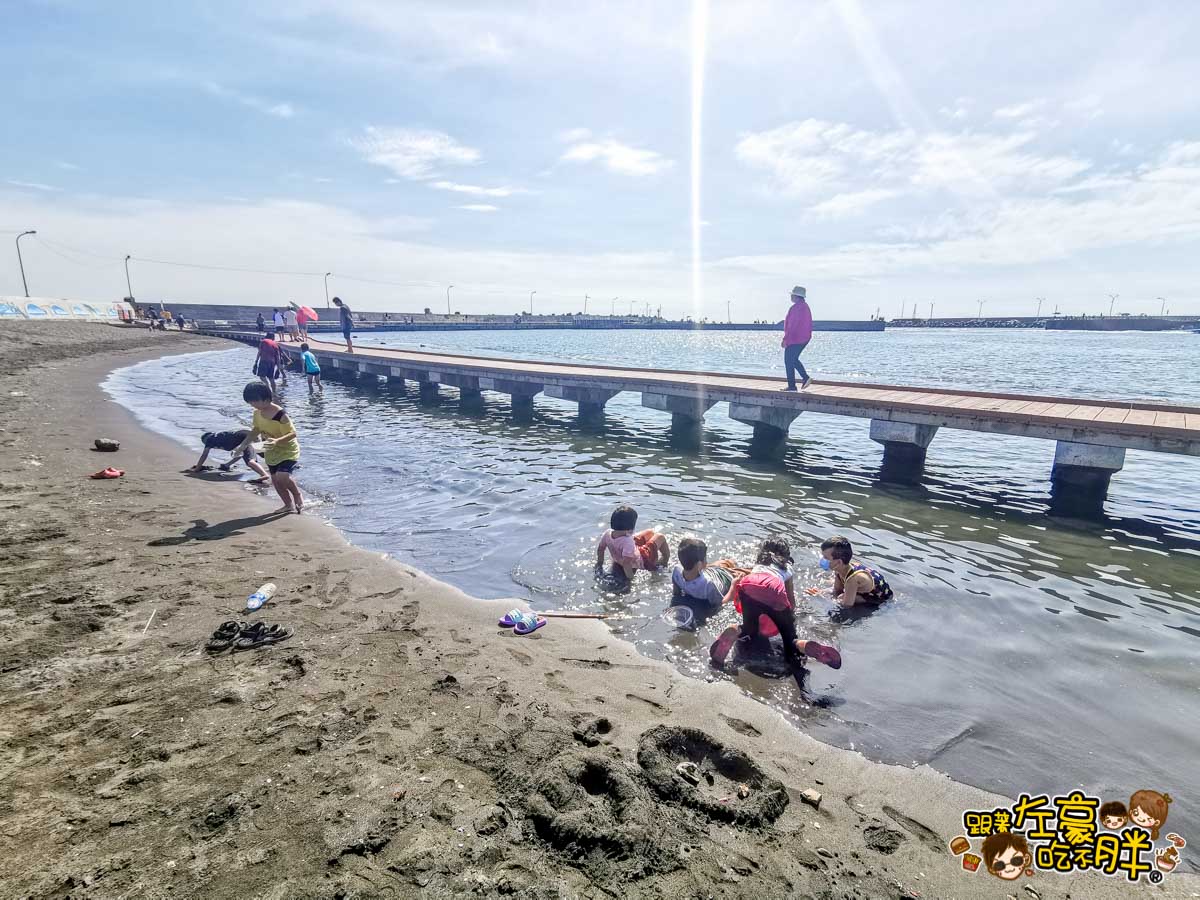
(1092, 435)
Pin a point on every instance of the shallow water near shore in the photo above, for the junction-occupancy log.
(1022, 652)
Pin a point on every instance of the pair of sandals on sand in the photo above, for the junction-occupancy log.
(246, 636)
(521, 622)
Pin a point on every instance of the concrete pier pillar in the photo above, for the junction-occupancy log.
(1080, 477)
(469, 394)
(770, 424)
(591, 401)
(687, 415)
(430, 393)
(904, 448)
(521, 392)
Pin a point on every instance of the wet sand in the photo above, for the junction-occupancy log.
(400, 744)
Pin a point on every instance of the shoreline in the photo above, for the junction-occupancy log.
(400, 744)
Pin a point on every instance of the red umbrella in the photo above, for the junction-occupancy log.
(307, 314)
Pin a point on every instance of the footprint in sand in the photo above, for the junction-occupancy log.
(741, 727)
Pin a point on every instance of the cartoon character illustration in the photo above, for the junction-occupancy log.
(1149, 810)
(1167, 858)
(1113, 815)
(1006, 854)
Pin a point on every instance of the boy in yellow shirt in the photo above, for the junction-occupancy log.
(280, 444)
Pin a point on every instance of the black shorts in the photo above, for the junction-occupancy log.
(288, 465)
(346, 332)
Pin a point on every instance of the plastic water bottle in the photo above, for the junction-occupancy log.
(261, 596)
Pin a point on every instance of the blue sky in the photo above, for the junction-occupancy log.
(878, 153)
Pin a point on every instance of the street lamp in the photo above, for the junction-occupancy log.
(585, 300)
(128, 283)
(1162, 310)
(980, 313)
(531, 293)
(614, 305)
(327, 274)
(1040, 301)
(631, 307)
(1112, 301)
(448, 298)
(21, 262)
(729, 311)
(930, 310)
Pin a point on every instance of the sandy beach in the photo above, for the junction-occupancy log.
(400, 744)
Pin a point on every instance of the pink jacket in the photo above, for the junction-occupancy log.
(797, 327)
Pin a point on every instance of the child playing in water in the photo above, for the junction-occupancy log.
(312, 369)
(853, 583)
(768, 591)
(282, 447)
(694, 579)
(235, 443)
(645, 550)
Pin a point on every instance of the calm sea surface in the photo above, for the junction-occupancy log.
(1022, 652)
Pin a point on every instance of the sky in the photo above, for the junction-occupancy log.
(886, 155)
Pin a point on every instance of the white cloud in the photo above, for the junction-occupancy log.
(815, 158)
(479, 207)
(574, 135)
(279, 110)
(32, 185)
(1019, 110)
(70, 167)
(475, 190)
(1154, 204)
(619, 158)
(412, 153)
(851, 204)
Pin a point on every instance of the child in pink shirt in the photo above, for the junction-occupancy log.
(767, 592)
(629, 551)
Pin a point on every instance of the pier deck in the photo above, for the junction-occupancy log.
(1092, 435)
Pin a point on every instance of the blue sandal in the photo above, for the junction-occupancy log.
(528, 623)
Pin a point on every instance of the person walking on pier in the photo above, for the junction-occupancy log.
(347, 318)
(797, 332)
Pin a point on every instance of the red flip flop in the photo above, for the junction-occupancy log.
(110, 472)
(823, 653)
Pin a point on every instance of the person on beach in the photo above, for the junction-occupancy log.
(302, 320)
(797, 332)
(644, 550)
(231, 441)
(854, 584)
(694, 579)
(280, 444)
(768, 591)
(347, 319)
(268, 365)
(277, 321)
(312, 369)
(293, 324)
(260, 324)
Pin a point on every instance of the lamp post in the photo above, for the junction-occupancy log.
(729, 311)
(1112, 302)
(327, 274)
(1162, 310)
(614, 305)
(930, 310)
(585, 300)
(448, 298)
(128, 283)
(631, 307)
(21, 262)
(1040, 301)
(531, 293)
(979, 315)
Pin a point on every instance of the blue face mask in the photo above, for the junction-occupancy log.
(824, 564)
